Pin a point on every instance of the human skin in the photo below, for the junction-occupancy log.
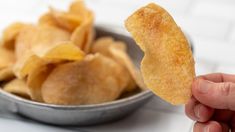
(212, 105)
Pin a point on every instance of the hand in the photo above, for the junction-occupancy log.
(213, 103)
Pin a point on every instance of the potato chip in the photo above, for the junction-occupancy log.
(10, 34)
(117, 51)
(6, 74)
(64, 51)
(83, 34)
(35, 80)
(43, 36)
(18, 87)
(168, 65)
(78, 7)
(47, 19)
(96, 79)
(26, 64)
(66, 20)
(7, 57)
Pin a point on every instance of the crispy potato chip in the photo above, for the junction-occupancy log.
(64, 51)
(78, 7)
(10, 34)
(7, 57)
(96, 79)
(66, 20)
(35, 80)
(61, 51)
(168, 65)
(84, 34)
(43, 36)
(47, 19)
(18, 87)
(117, 51)
(26, 64)
(6, 74)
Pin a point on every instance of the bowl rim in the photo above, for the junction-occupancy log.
(111, 104)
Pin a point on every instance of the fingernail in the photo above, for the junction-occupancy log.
(203, 86)
(207, 129)
(196, 111)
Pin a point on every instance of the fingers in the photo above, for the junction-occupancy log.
(215, 95)
(211, 126)
(218, 77)
(197, 111)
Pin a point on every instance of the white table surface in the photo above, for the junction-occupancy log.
(210, 24)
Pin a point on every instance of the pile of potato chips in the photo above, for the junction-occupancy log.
(58, 60)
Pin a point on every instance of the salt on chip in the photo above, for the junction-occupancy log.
(10, 34)
(168, 65)
(96, 79)
(18, 87)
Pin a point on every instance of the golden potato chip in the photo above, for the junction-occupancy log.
(78, 7)
(64, 51)
(10, 34)
(61, 51)
(26, 64)
(83, 34)
(6, 74)
(117, 50)
(168, 65)
(35, 80)
(47, 19)
(66, 20)
(7, 57)
(43, 36)
(96, 79)
(18, 87)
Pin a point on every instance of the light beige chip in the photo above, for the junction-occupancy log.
(96, 79)
(6, 74)
(35, 80)
(7, 57)
(10, 34)
(18, 87)
(43, 36)
(168, 65)
(117, 51)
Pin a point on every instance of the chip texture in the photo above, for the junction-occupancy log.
(168, 65)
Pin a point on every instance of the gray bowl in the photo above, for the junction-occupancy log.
(81, 114)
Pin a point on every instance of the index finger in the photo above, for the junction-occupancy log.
(218, 77)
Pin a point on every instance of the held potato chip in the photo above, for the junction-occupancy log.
(10, 34)
(168, 65)
(18, 87)
(96, 79)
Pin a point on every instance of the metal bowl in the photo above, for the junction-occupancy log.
(81, 114)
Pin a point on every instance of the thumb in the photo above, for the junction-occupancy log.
(216, 95)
